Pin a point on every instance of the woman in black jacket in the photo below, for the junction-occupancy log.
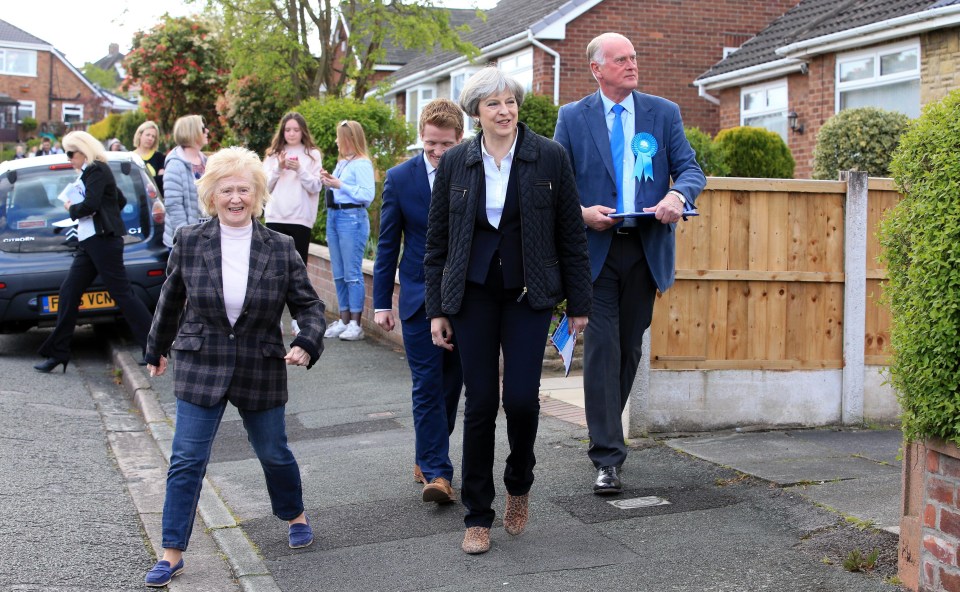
(505, 244)
(100, 251)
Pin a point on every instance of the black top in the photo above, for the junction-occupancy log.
(101, 200)
(154, 164)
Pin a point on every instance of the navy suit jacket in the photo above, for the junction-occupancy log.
(406, 203)
(243, 362)
(582, 130)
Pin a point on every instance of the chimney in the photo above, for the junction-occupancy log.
(114, 49)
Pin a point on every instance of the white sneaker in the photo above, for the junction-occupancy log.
(294, 327)
(335, 329)
(353, 332)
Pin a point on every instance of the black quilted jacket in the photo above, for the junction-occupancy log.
(555, 260)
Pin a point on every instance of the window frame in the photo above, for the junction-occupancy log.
(513, 71)
(32, 59)
(878, 80)
(73, 107)
(767, 87)
(33, 110)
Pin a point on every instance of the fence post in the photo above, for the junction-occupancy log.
(854, 297)
(635, 424)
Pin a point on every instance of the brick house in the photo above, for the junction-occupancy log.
(544, 44)
(823, 56)
(44, 84)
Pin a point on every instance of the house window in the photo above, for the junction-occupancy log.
(28, 109)
(520, 67)
(72, 113)
(417, 99)
(887, 77)
(18, 62)
(765, 106)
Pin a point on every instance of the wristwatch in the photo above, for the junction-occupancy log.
(683, 200)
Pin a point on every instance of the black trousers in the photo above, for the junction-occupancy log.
(103, 256)
(300, 233)
(491, 318)
(623, 297)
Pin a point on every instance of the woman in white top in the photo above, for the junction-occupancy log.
(293, 166)
(348, 226)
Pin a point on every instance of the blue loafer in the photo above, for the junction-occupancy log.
(161, 573)
(301, 535)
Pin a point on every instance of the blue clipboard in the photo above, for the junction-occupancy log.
(684, 215)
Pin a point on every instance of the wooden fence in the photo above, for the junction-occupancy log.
(760, 279)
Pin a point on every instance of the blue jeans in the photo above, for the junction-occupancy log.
(192, 443)
(347, 233)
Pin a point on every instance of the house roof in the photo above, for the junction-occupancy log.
(12, 34)
(507, 19)
(811, 19)
(398, 56)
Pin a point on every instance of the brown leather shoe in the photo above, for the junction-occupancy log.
(516, 513)
(439, 490)
(418, 475)
(476, 540)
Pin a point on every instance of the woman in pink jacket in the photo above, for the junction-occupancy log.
(293, 165)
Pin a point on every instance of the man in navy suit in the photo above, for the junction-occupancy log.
(436, 373)
(630, 258)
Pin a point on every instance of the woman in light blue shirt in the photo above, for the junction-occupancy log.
(350, 190)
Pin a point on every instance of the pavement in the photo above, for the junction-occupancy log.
(716, 511)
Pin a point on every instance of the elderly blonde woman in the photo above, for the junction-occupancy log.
(228, 281)
(184, 165)
(98, 254)
(146, 140)
(505, 244)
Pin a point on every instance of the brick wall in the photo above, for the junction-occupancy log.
(939, 568)
(939, 61)
(676, 41)
(53, 80)
(321, 276)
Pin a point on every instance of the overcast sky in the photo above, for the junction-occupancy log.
(83, 31)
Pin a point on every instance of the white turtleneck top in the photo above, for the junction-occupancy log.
(235, 258)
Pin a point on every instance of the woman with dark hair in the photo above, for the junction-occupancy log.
(99, 254)
(293, 166)
(505, 244)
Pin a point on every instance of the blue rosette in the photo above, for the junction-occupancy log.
(644, 148)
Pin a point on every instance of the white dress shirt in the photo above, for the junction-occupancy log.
(496, 181)
(627, 118)
(431, 170)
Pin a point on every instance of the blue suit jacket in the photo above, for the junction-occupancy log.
(582, 130)
(406, 203)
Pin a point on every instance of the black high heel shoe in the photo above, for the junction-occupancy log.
(50, 364)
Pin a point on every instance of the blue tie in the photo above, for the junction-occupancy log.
(616, 150)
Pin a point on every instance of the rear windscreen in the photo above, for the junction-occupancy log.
(32, 219)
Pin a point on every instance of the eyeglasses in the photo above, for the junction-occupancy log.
(70, 153)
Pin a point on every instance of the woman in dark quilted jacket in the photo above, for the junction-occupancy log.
(505, 244)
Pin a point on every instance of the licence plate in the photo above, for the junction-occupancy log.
(89, 301)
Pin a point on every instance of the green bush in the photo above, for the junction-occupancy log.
(861, 139)
(755, 152)
(127, 126)
(251, 110)
(920, 238)
(28, 125)
(387, 135)
(540, 114)
(106, 128)
(708, 155)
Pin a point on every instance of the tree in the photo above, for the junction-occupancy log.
(181, 67)
(304, 39)
(102, 78)
(251, 110)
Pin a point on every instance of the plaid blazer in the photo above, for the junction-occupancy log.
(243, 363)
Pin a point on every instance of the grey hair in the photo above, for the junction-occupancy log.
(595, 47)
(484, 83)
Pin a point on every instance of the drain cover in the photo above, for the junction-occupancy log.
(648, 501)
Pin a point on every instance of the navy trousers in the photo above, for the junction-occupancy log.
(437, 382)
(491, 318)
(623, 296)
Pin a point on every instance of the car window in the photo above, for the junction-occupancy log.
(33, 219)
